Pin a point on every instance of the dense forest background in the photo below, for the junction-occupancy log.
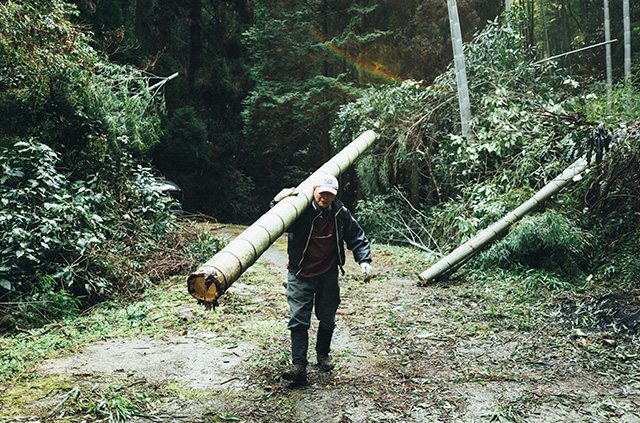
(266, 92)
(261, 82)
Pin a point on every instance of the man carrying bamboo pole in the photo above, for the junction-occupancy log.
(316, 252)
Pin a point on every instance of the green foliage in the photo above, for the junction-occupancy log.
(41, 216)
(202, 245)
(516, 107)
(546, 241)
(521, 121)
(544, 280)
(496, 54)
(298, 85)
(124, 115)
(40, 45)
(54, 87)
(479, 206)
(105, 404)
(56, 229)
(381, 218)
(524, 120)
(409, 119)
(418, 146)
(79, 217)
(594, 103)
(619, 264)
(610, 196)
(184, 143)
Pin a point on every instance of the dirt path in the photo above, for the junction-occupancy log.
(443, 353)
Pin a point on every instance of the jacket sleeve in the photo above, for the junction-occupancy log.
(355, 238)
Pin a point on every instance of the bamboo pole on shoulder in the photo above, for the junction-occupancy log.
(461, 254)
(214, 277)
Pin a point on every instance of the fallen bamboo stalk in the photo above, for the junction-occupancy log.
(214, 277)
(461, 254)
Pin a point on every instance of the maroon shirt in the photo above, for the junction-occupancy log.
(322, 250)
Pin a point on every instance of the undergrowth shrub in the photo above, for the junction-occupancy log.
(547, 241)
(44, 302)
(68, 242)
(80, 220)
(524, 125)
(44, 222)
(610, 196)
(392, 218)
(382, 218)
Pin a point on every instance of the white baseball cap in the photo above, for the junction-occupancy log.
(327, 183)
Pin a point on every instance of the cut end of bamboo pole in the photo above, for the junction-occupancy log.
(206, 285)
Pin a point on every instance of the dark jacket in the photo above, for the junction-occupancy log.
(347, 230)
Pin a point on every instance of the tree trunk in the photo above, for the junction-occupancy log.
(195, 47)
(531, 20)
(607, 38)
(165, 21)
(142, 19)
(546, 32)
(461, 73)
(627, 41)
(566, 44)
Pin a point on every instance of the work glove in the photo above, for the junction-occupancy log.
(287, 192)
(367, 270)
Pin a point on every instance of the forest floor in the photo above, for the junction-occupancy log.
(447, 352)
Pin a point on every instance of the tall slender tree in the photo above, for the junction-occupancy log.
(195, 46)
(627, 40)
(461, 73)
(546, 32)
(607, 38)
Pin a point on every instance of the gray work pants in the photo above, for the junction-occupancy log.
(303, 294)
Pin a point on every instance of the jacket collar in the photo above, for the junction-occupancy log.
(318, 209)
(332, 209)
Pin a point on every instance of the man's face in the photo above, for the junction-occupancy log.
(324, 199)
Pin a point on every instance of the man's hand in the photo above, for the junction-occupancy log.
(367, 270)
(287, 192)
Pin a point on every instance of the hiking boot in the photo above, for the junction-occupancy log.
(325, 363)
(297, 373)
